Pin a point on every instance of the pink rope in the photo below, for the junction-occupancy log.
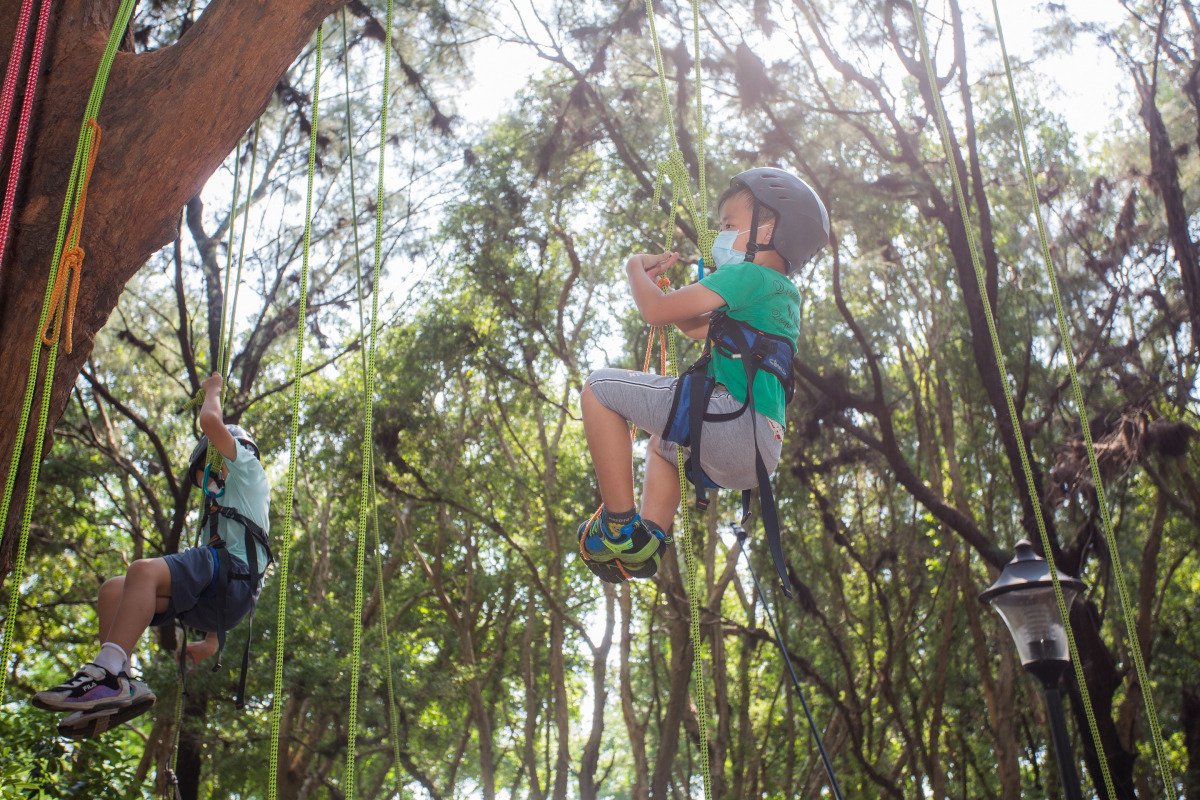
(35, 68)
(15, 57)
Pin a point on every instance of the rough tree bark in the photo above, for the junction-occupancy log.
(169, 118)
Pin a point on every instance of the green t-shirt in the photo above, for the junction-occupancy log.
(766, 299)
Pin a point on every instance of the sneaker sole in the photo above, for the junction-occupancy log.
(120, 701)
(86, 724)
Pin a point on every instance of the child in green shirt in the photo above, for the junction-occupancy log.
(771, 223)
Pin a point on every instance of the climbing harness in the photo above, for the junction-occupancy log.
(223, 573)
(1135, 648)
(16, 579)
(741, 535)
(757, 350)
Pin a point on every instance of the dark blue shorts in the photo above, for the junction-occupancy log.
(194, 590)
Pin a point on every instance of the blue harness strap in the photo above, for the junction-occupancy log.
(757, 350)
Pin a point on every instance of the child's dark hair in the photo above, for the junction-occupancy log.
(765, 213)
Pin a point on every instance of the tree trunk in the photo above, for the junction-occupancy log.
(1103, 681)
(589, 760)
(635, 729)
(189, 762)
(679, 675)
(1189, 720)
(169, 118)
(1164, 177)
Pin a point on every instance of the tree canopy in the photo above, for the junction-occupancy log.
(507, 670)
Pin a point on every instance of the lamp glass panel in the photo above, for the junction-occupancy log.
(1032, 617)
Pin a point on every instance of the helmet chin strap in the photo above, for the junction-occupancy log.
(752, 248)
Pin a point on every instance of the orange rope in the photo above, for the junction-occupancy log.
(66, 283)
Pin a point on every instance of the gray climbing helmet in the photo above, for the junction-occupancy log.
(801, 224)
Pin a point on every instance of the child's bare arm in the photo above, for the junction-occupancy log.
(666, 309)
(212, 419)
(694, 328)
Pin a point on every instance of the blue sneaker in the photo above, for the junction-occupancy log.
(633, 542)
(638, 539)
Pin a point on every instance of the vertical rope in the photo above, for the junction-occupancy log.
(31, 82)
(366, 497)
(700, 692)
(83, 145)
(1035, 500)
(1135, 648)
(293, 436)
(378, 266)
(675, 168)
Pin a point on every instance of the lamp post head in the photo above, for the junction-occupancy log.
(1023, 595)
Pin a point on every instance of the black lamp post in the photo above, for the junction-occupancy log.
(1024, 597)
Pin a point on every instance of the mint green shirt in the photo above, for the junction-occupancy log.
(247, 490)
(766, 299)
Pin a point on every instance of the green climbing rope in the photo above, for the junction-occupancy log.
(1135, 648)
(675, 168)
(83, 146)
(366, 497)
(293, 436)
(943, 128)
(221, 362)
(393, 720)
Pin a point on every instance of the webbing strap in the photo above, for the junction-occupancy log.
(120, 23)
(1035, 501)
(366, 497)
(293, 437)
(1135, 648)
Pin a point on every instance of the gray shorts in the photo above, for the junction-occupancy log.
(726, 452)
(194, 590)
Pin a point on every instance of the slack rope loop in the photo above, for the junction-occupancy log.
(31, 82)
(943, 128)
(1135, 647)
(293, 437)
(16, 578)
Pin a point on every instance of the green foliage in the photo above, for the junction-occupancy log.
(501, 290)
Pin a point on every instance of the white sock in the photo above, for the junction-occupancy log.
(113, 658)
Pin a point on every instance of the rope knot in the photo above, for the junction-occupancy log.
(61, 319)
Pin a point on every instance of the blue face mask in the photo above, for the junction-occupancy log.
(723, 253)
(722, 249)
